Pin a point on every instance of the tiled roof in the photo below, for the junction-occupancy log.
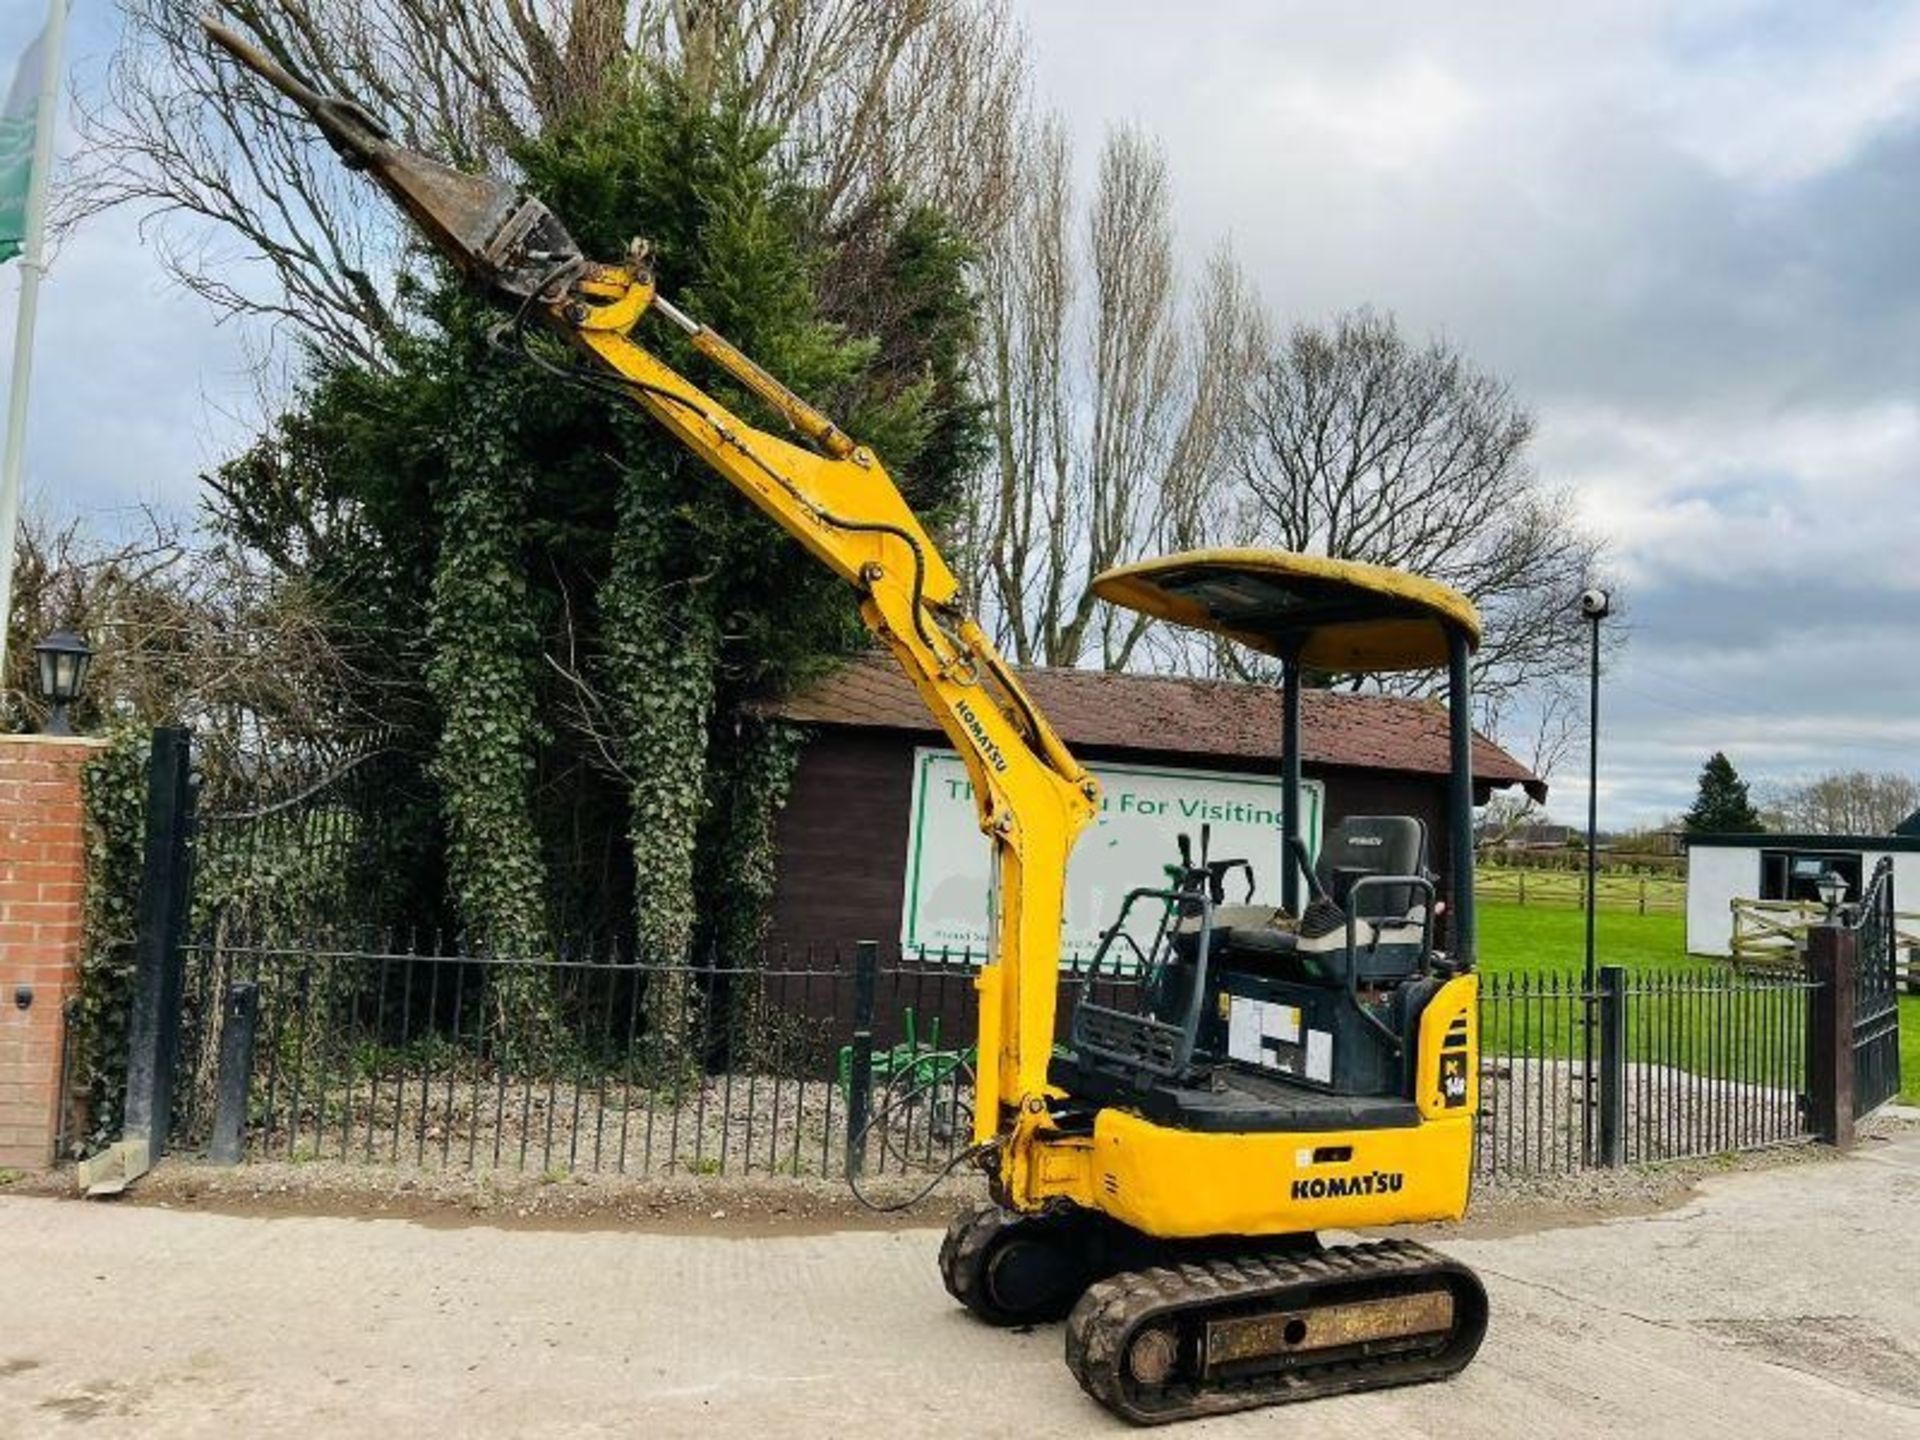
(1201, 718)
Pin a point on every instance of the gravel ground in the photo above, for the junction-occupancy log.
(779, 1204)
(740, 1124)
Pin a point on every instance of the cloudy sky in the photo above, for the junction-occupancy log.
(1689, 233)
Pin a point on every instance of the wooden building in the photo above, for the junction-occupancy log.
(844, 834)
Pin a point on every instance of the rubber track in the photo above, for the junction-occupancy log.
(963, 1259)
(1104, 1321)
(968, 1237)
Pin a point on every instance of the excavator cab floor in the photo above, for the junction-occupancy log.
(1228, 1100)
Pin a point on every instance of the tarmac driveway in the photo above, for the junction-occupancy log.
(1783, 1302)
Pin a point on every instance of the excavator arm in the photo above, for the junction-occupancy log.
(1033, 798)
(835, 498)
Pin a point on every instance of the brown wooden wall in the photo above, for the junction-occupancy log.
(843, 833)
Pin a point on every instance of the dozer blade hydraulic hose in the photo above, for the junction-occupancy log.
(505, 242)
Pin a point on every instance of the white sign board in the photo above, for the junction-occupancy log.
(1143, 809)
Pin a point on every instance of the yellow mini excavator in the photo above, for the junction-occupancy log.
(1281, 1070)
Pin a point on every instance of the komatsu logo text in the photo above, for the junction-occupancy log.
(1331, 1187)
(980, 736)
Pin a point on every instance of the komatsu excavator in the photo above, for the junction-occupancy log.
(1283, 1070)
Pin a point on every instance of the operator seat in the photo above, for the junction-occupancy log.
(1352, 966)
(1363, 845)
(1390, 921)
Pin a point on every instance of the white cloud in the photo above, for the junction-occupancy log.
(1776, 109)
(1786, 493)
(1402, 117)
(1683, 228)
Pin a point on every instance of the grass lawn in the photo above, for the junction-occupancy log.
(1910, 1049)
(1529, 939)
(1517, 939)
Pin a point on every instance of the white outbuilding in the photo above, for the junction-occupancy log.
(1725, 868)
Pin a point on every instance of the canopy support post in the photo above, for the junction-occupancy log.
(1290, 782)
(1460, 799)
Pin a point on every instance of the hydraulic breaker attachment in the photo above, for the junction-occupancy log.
(507, 243)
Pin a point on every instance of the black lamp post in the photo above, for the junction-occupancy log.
(1595, 605)
(64, 657)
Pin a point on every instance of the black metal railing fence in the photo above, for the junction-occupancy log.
(1663, 1065)
(403, 1052)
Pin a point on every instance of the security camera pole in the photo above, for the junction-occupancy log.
(1595, 605)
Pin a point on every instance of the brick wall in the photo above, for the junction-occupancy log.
(42, 885)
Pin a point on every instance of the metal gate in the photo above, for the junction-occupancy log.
(305, 858)
(1876, 1016)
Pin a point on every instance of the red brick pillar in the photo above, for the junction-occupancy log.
(43, 870)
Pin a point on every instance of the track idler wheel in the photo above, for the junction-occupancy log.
(1011, 1269)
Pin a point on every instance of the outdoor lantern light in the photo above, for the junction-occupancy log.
(1833, 889)
(64, 658)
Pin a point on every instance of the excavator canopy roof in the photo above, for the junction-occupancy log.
(1341, 616)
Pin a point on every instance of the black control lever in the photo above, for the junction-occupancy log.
(1186, 876)
(1217, 872)
(1210, 873)
(1315, 889)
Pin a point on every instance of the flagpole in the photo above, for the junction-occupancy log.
(33, 264)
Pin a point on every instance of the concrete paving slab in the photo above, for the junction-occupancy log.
(1781, 1303)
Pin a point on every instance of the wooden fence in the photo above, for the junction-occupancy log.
(1771, 935)
(1571, 858)
(1564, 889)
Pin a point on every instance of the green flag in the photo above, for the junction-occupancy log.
(16, 148)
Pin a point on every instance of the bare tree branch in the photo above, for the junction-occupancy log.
(1357, 445)
(1112, 401)
(877, 99)
(183, 633)
(1841, 802)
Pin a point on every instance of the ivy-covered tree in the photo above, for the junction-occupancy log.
(566, 617)
(1721, 806)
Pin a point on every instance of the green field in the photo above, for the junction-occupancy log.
(1518, 939)
(1531, 939)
